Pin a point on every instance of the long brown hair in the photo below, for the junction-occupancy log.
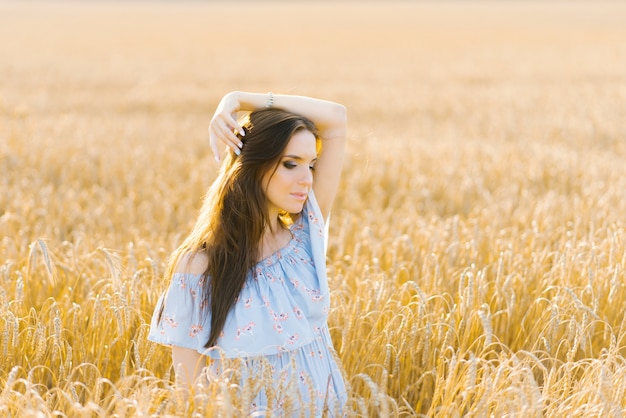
(234, 214)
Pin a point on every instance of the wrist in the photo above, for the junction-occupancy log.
(252, 101)
(235, 96)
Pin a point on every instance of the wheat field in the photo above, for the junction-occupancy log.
(477, 247)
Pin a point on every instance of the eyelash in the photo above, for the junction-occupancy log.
(289, 165)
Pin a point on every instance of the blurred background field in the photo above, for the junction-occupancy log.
(477, 247)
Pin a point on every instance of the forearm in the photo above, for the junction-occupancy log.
(188, 365)
(329, 117)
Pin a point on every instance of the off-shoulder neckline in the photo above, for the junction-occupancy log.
(296, 231)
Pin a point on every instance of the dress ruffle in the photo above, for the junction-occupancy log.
(280, 317)
(283, 305)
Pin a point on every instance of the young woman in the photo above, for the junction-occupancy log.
(249, 282)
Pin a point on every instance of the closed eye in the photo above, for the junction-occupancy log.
(293, 162)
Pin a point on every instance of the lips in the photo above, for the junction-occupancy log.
(299, 196)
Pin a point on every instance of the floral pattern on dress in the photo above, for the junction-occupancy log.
(281, 314)
(195, 330)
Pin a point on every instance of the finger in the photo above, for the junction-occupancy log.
(233, 129)
(230, 138)
(225, 136)
(233, 146)
(230, 121)
(213, 137)
(215, 150)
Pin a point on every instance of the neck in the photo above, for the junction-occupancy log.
(274, 223)
(274, 229)
(275, 237)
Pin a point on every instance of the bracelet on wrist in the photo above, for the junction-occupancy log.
(270, 100)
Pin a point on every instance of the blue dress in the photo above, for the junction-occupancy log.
(278, 324)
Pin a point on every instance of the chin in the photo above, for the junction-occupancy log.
(294, 208)
(298, 210)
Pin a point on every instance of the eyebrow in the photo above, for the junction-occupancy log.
(297, 157)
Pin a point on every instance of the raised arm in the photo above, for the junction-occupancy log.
(330, 119)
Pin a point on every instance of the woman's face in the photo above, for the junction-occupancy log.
(287, 187)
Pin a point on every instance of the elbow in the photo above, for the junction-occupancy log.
(342, 114)
(341, 117)
(334, 123)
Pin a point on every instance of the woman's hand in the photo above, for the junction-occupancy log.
(329, 118)
(224, 126)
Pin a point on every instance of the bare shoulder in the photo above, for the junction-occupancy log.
(192, 263)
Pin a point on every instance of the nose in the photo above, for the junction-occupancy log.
(307, 178)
